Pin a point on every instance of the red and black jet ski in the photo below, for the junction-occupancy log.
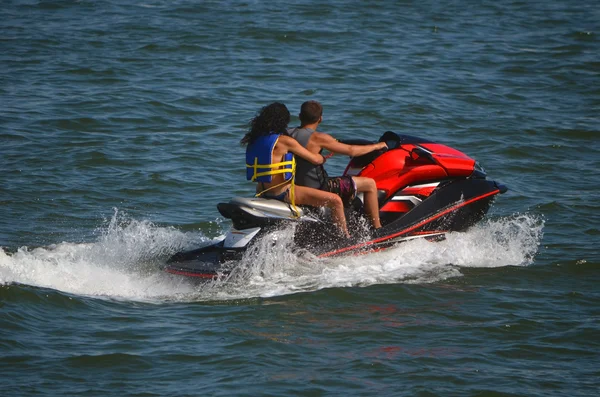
(425, 190)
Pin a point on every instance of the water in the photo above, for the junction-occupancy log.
(119, 134)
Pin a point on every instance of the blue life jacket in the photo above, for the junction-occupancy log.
(259, 160)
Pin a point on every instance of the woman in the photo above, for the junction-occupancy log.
(269, 162)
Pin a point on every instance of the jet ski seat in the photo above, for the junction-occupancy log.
(271, 206)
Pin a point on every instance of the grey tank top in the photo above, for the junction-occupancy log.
(307, 174)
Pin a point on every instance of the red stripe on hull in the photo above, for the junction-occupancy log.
(188, 274)
(430, 232)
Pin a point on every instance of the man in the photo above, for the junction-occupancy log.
(315, 176)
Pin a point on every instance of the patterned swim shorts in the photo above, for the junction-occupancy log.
(343, 186)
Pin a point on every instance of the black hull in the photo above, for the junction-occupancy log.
(203, 263)
(454, 207)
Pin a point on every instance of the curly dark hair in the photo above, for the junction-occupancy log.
(271, 119)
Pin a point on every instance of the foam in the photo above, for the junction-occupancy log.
(125, 262)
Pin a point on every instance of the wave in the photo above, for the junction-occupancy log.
(125, 262)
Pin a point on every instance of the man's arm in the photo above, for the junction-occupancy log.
(328, 142)
(295, 147)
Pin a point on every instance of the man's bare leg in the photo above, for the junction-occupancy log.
(368, 187)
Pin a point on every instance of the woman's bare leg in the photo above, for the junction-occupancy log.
(319, 198)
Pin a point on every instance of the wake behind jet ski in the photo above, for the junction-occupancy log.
(425, 189)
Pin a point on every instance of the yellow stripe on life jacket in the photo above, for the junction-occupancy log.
(275, 168)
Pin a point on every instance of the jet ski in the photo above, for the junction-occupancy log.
(425, 190)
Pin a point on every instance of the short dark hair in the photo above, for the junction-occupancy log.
(310, 112)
